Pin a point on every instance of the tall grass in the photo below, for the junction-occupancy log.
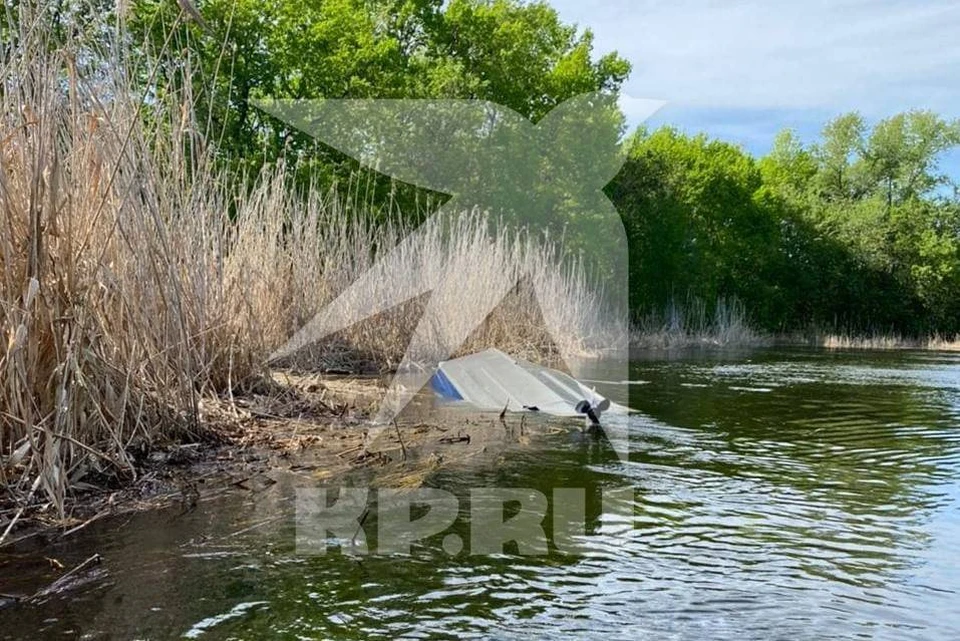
(878, 342)
(461, 262)
(128, 292)
(691, 324)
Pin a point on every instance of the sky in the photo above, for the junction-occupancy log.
(742, 70)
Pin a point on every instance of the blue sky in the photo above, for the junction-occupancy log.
(742, 70)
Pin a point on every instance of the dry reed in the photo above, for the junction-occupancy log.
(691, 325)
(934, 343)
(128, 292)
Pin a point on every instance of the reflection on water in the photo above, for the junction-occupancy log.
(796, 495)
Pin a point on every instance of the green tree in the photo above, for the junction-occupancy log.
(514, 53)
(881, 240)
(901, 155)
(855, 232)
(789, 170)
(697, 225)
(840, 176)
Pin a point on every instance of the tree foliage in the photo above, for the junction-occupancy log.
(858, 231)
(517, 54)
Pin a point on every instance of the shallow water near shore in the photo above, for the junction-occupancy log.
(794, 494)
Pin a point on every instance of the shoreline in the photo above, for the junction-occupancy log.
(663, 342)
(240, 440)
(312, 428)
(877, 342)
(315, 424)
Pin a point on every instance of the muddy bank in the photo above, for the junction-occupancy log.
(311, 427)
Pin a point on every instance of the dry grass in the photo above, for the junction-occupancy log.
(128, 293)
(690, 325)
(884, 341)
(121, 297)
(461, 262)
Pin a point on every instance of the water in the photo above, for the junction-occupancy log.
(778, 495)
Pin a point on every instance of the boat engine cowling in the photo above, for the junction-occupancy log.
(593, 408)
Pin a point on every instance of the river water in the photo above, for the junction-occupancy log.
(775, 495)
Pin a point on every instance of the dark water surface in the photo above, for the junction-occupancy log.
(778, 495)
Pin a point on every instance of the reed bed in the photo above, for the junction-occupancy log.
(885, 342)
(691, 325)
(137, 278)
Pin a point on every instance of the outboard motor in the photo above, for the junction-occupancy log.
(593, 410)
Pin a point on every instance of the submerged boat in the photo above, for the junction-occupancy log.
(493, 381)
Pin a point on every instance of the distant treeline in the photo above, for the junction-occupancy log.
(856, 232)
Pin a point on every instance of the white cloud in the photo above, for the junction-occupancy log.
(877, 56)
